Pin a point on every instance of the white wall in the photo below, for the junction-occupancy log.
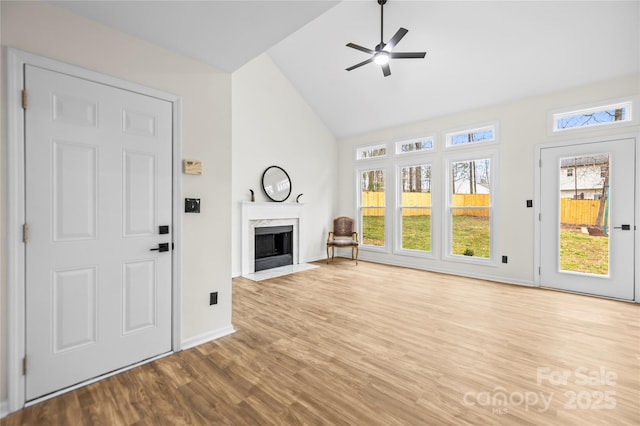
(522, 126)
(206, 135)
(273, 125)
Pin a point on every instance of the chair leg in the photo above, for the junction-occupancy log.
(327, 254)
(357, 252)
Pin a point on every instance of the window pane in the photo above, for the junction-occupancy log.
(372, 207)
(471, 233)
(371, 152)
(373, 226)
(414, 146)
(584, 214)
(592, 116)
(471, 183)
(470, 211)
(484, 134)
(415, 186)
(372, 181)
(416, 229)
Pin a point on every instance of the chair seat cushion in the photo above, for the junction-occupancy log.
(342, 242)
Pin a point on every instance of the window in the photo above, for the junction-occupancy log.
(569, 172)
(470, 208)
(415, 145)
(371, 152)
(372, 207)
(415, 208)
(593, 116)
(464, 137)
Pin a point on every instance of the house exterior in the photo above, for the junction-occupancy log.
(583, 178)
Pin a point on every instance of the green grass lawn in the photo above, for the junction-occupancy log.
(578, 252)
(470, 233)
(583, 252)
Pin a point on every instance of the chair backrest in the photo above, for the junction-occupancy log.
(342, 226)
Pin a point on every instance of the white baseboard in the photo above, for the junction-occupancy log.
(4, 409)
(315, 259)
(454, 272)
(206, 337)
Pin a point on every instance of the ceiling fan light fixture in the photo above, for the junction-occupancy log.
(381, 58)
(383, 52)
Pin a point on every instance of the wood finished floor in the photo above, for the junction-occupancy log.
(380, 345)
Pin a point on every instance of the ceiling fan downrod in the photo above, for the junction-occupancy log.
(381, 3)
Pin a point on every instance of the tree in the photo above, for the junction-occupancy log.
(604, 197)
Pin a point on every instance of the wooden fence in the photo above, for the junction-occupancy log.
(573, 212)
(374, 199)
(579, 212)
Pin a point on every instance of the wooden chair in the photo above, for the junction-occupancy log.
(343, 236)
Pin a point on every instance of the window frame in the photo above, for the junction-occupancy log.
(448, 135)
(374, 165)
(362, 148)
(398, 144)
(629, 102)
(429, 160)
(447, 231)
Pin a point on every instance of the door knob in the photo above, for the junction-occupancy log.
(161, 247)
(623, 227)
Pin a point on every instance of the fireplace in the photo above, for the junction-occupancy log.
(273, 247)
(256, 215)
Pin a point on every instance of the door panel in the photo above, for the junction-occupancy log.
(75, 309)
(587, 195)
(75, 198)
(139, 198)
(98, 185)
(139, 294)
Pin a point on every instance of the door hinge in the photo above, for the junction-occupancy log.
(540, 163)
(539, 270)
(539, 217)
(24, 366)
(25, 233)
(24, 98)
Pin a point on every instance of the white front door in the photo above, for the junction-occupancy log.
(98, 187)
(587, 218)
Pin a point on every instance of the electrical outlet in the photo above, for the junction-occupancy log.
(213, 298)
(504, 259)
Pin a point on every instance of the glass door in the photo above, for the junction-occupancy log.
(587, 218)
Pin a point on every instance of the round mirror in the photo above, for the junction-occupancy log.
(276, 184)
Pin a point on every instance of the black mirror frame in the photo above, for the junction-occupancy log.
(265, 191)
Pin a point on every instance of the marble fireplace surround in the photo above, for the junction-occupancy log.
(257, 215)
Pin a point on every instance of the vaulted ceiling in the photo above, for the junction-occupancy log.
(478, 53)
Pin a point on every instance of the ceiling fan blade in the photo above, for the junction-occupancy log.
(407, 55)
(395, 39)
(386, 70)
(360, 64)
(363, 49)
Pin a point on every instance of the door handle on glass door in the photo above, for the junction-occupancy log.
(623, 227)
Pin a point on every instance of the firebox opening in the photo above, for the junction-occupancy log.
(273, 247)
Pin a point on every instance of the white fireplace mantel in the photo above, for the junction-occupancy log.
(268, 214)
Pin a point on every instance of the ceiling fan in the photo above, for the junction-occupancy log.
(383, 52)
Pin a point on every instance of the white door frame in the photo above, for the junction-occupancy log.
(16, 60)
(538, 198)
